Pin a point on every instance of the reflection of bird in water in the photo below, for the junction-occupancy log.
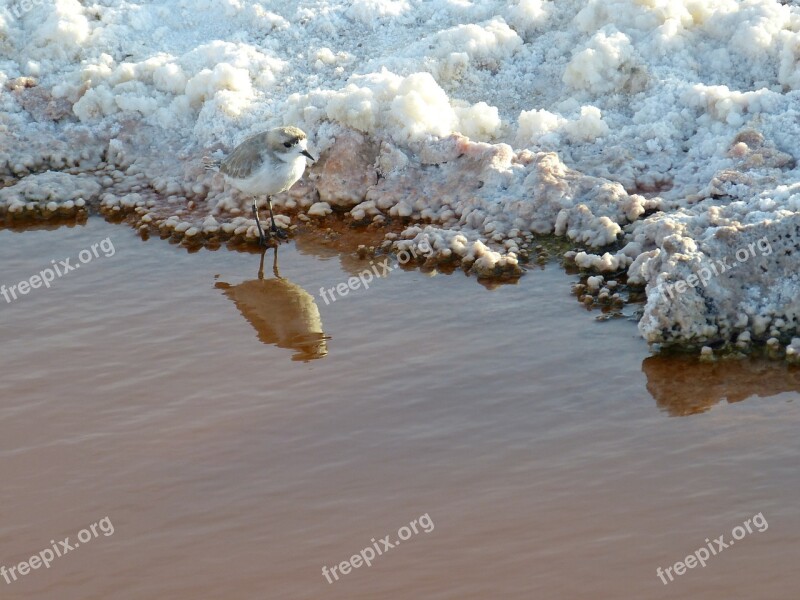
(282, 313)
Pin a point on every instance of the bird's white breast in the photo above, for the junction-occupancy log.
(273, 177)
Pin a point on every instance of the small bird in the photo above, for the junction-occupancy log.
(267, 163)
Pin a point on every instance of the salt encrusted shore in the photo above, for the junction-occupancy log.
(660, 138)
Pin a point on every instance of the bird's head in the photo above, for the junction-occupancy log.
(289, 143)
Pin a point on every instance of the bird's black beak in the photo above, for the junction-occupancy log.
(307, 154)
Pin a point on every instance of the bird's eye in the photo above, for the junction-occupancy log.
(287, 144)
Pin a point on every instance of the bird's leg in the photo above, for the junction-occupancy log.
(261, 264)
(279, 232)
(275, 265)
(262, 239)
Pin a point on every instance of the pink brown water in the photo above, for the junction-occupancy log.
(555, 457)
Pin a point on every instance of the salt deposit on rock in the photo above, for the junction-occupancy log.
(793, 351)
(660, 137)
(441, 246)
(603, 264)
(320, 209)
(50, 192)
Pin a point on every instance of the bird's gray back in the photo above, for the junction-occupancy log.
(246, 158)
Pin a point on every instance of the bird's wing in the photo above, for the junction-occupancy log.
(245, 159)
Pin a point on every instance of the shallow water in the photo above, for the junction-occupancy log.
(236, 455)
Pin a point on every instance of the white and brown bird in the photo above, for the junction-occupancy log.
(265, 164)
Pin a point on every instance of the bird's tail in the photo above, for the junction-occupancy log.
(211, 164)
